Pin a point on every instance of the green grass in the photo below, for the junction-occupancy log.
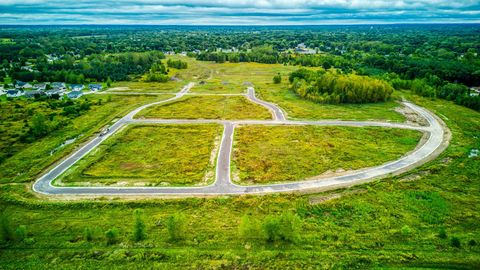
(360, 229)
(266, 154)
(219, 87)
(207, 107)
(34, 157)
(147, 87)
(297, 108)
(151, 155)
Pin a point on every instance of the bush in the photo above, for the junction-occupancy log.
(406, 231)
(472, 243)
(112, 236)
(88, 234)
(277, 78)
(442, 234)
(6, 229)
(139, 229)
(284, 228)
(21, 233)
(176, 227)
(249, 228)
(455, 242)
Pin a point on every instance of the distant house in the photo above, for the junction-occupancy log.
(74, 94)
(76, 87)
(14, 93)
(58, 85)
(40, 86)
(34, 93)
(95, 87)
(22, 85)
(52, 92)
(302, 49)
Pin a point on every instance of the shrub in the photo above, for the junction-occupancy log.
(6, 230)
(472, 243)
(176, 227)
(406, 231)
(442, 234)
(88, 234)
(249, 228)
(455, 242)
(112, 236)
(21, 232)
(139, 229)
(285, 228)
(277, 78)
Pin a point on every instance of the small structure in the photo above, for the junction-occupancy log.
(22, 85)
(302, 49)
(76, 87)
(40, 86)
(53, 92)
(58, 85)
(34, 93)
(95, 87)
(74, 94)
(12, 93)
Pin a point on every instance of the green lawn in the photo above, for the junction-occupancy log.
(297, 108)
(207, 107)
(266, 154)
(151, 155)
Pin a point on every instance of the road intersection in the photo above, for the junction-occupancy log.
(223, 185)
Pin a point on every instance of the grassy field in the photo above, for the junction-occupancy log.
(151, 155)
(208, 107)
(266, 154)
(409, 221)
(147, 87)
(34, 157)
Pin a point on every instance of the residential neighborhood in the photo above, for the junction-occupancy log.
(53, 89)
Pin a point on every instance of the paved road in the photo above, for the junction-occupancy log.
(223, 184)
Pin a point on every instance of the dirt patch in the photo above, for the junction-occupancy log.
(318, 199)
(411, 116)
(414, 176)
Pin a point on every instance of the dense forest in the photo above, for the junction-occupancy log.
(443, 60)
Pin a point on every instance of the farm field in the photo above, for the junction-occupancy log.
(271, 154)
(207, 107)
(163, 155)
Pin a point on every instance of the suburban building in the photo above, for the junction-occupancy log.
(34, 93)
(74, 94)
(59, 85)
(14, 93)
(22, 85)
(95, 87)
(76, 87)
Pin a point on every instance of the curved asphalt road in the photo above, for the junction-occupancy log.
(223, 184)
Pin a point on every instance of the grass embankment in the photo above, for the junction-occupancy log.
(34, 157)
(405, 221)
(267, 154)
(208, 107)
(151, 155)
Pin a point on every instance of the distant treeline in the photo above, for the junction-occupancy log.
(332, 87)
(97, 67)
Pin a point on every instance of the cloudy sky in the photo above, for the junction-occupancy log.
(237, 12)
